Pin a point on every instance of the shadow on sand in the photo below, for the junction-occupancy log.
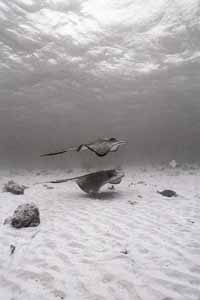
(106, 195)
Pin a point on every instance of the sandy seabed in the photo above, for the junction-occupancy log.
(131, 243)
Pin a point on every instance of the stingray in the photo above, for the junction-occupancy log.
(100, 147)
(91, 183)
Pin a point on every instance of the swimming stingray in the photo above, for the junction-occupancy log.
(91, 183)
(100, 147)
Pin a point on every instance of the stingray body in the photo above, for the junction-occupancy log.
(91, 183)
(100, 147)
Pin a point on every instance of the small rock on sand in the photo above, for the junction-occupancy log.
(132, 202)
(12, 249)
(168, 193)
(125, 251)
(25, 215)
(14, 188)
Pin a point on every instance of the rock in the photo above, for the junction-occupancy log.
(190, 221)
(25, 215)
(168, 193)
(12, 249)
(132, 202)
(125, 251)
(14, 188)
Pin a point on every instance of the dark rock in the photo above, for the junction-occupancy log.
(125, 251)
(132, 202)
(14, 188)
(25, 215)
(192, 222)
(12, 249)
(168, 193)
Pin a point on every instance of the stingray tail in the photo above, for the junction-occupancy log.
(59, 152)
(58, 181)
(53, 153)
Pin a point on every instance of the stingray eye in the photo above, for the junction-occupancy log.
(112, 139)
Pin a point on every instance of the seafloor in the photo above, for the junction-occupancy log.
(129, 243)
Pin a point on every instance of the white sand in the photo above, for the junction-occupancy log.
(79, 250)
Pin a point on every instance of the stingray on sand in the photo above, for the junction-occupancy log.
(100, 147)
(91, 183)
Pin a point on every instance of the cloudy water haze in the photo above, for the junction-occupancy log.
(72, 71)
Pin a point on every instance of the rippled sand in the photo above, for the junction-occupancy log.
(129, 244)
